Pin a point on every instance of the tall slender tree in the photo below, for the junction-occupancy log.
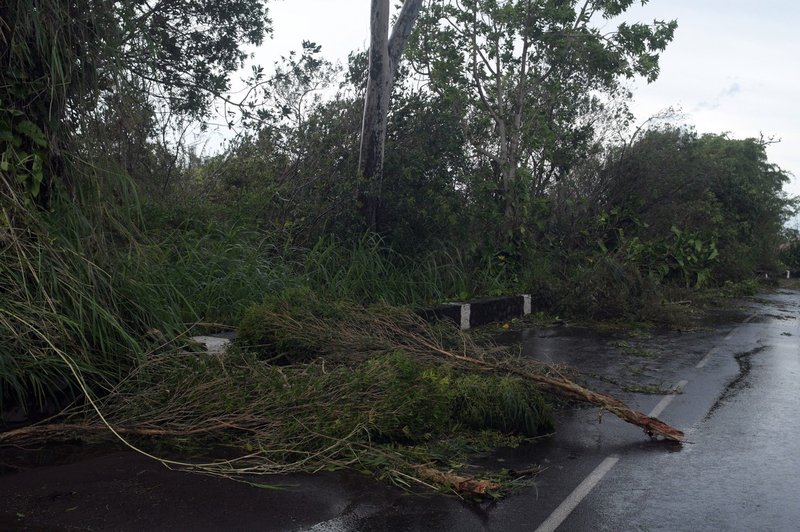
(384, 57)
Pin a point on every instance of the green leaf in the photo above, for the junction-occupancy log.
(33, 132)
(37, 175)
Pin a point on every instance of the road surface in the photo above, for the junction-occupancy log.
(738, 401)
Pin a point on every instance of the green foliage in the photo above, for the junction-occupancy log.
(218, 268)
(680, 256)
(414, 401)
(383, 416)
(747, 288)
(700, 209)
(421, 401)
(790, 251)
(258, 333)
(607, 288)
(26, 150)
(62, 65)
(370, 271)
(65, 302)
(508, 404)
(525, 77)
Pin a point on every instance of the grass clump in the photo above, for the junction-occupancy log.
(218, 268)
(65, 302)
(373, 390)
(392, 415)
(369, 271)
(506, 404)
(258, 332)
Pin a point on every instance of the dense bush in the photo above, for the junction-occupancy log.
(116, 237)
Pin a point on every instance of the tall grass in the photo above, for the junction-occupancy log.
(61, 292)
(86, 279)
(218, 270)
(369, 271)
(222, 266)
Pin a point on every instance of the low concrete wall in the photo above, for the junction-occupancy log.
(787, 274)
(481, 311)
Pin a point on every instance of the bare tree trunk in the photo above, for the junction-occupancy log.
(384, 57)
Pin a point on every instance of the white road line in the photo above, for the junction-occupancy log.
(707, 358)
(748, 319)
(584, 488)
(578, 494)
(667, 399)
(730, 336)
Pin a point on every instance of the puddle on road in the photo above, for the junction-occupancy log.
(616, 361)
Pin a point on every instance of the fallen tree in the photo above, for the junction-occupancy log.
(372, 389)
(356, 330)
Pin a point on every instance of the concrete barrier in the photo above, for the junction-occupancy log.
(786, 274)
(480, 311)
(466, 315)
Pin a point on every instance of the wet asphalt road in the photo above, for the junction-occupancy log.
(739, 470)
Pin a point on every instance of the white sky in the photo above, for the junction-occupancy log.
(734, 65)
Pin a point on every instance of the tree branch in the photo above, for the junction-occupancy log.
(402, 31)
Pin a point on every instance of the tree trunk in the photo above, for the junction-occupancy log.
(384, 57)
(376, 110)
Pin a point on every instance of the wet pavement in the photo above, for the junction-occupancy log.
(739, 469)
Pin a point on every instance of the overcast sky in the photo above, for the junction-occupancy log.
(734, 65)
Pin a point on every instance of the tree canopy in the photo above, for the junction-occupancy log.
(527, 76)
(65, 61)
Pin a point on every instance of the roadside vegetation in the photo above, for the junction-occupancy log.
(119, 240)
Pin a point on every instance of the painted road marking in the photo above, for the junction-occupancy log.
(572, 501)
(728, 338)
(584, 488)
(707, 358)
(667, 399)
(578, 494)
